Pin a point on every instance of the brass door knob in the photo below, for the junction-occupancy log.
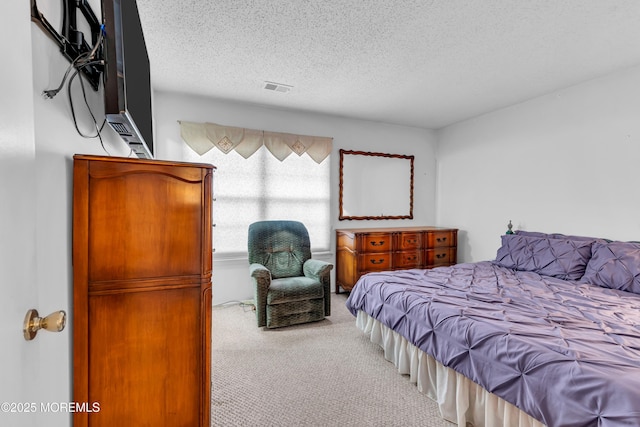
(55, 322)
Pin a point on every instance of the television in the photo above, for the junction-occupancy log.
(126, 78)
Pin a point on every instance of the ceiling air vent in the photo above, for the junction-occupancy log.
(277, 87)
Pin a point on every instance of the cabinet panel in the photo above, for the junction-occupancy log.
(345, 240)
(348, 260)
(144, 225)
(133, 347)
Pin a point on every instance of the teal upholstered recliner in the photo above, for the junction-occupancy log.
(289, 286)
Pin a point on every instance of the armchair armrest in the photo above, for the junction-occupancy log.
(259, 271)
(316, 269)
(261, 278)
(320, 270)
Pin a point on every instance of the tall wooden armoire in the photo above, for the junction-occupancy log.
(142, 261)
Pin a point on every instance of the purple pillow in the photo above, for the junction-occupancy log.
(562, 258)
(615, 265)
(558, 236)
(531, 233)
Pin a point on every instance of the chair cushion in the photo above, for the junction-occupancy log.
(293, 289)
(281, 246)
(285, 262)
(293, 313)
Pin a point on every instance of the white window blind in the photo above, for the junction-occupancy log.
(262, 187)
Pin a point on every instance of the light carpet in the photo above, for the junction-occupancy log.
(325, 373)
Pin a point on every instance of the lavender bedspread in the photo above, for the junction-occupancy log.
(566, 353)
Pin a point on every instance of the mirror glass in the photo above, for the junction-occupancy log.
(375, 186)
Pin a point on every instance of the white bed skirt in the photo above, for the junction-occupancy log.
(460, 400)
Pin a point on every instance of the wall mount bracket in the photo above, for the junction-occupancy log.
(72, 42)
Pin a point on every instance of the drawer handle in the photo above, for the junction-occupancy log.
(413, 258)
(380, 243)
(440, 255)
(441, 239)
(379, 261)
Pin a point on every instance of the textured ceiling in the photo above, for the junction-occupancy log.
(418, 63)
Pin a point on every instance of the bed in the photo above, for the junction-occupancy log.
(548, 333)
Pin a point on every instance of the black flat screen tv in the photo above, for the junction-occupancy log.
(127, 82)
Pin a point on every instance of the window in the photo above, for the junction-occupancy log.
(264, 188)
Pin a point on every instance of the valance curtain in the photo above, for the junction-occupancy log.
(202, 137)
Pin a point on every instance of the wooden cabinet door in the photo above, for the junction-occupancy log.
(142, 292)
(145, 367)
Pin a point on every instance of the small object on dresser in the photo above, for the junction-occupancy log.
(509, 226)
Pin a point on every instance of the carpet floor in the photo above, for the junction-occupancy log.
(325, 373)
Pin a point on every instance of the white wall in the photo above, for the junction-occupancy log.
(19, 359)
(566, 162)
(230, 277)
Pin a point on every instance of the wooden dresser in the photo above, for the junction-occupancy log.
(363, 250)
(142, 265)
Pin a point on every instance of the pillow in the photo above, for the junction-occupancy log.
(558, 236)
(562, 258)
(615, 265)
(531, 233)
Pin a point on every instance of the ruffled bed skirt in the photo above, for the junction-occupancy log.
(459, 399)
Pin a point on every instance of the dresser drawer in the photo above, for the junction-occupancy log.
(376, 242)
(375, 262)
(406, 241)
(440, 256)
(437, 239)
(407, 259)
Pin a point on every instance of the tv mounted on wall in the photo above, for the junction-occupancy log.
(127, 85)
(120, 58)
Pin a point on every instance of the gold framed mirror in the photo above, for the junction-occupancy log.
(375, 186)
